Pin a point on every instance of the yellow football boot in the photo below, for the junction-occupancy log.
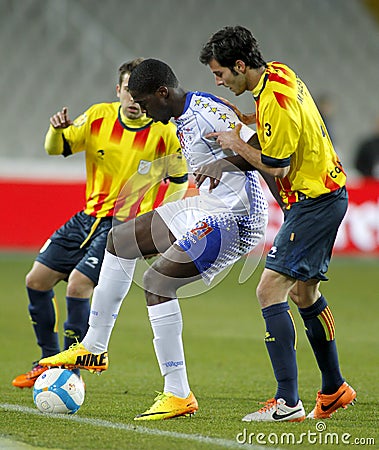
(77, 357)
(167, 406)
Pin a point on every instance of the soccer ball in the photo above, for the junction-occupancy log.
(58, 391)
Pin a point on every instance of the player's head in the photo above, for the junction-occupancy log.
(130, 109)
(126, 68)
(229, 53)
(230, 44)
(150, 84)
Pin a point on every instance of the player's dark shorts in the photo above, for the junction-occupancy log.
(62, 251)
(303, 246)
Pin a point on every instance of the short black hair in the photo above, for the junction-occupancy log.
(150, 75)
(127, 68)
(232, 43)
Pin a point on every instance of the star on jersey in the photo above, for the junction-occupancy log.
(213, 109)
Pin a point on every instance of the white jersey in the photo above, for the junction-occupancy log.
(204, 113)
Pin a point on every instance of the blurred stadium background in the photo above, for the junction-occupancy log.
(67, 52)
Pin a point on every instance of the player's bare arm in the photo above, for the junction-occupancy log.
(231, 140)
(271, 184)
(61, 119)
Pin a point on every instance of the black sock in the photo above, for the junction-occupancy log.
(319, 326)
(44, 318)
(281, 345)
(76, 325)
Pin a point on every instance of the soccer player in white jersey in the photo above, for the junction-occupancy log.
(196, 237)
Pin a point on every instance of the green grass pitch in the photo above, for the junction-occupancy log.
(228, 369)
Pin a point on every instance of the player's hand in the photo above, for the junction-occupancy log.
(213, 171)
(227, 139)
(61, 119)
(247, 119)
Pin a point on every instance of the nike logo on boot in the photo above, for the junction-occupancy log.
(277, 416)
(329, 405)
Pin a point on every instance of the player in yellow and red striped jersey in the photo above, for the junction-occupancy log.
(127, 157)
(105, 133)
(294, 146)
(313, 173)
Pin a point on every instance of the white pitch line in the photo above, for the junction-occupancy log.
(132, 428)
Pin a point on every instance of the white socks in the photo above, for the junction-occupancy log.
(166, 322)
(116, 276)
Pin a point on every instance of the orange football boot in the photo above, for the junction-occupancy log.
(27, 380)
(326, 404)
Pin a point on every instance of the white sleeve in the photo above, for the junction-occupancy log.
(246, 133)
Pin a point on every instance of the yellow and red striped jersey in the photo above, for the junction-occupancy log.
(125, 159)
(291, 132)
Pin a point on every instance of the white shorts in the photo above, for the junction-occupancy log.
(212, 236)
